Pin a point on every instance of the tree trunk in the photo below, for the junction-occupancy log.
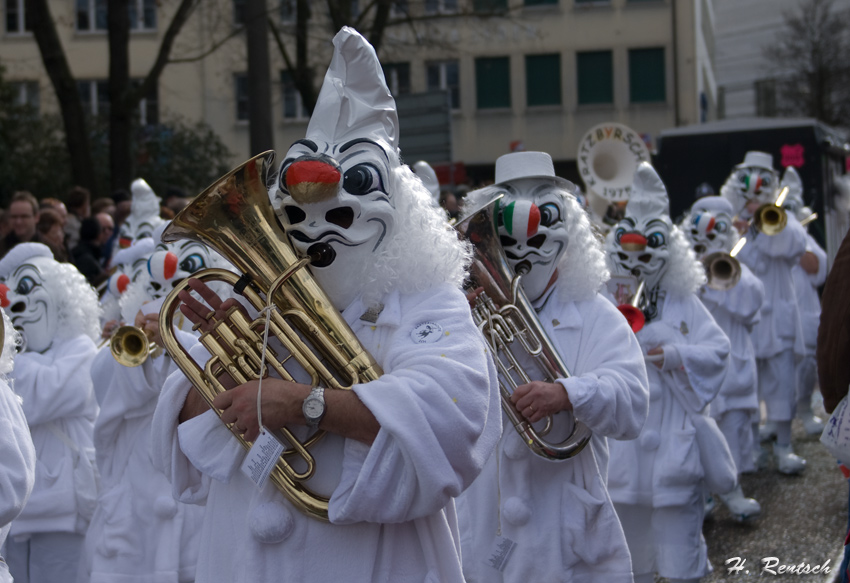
(65, 86)
(121, 164)
(259, 78)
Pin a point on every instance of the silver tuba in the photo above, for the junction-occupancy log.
(509, 323)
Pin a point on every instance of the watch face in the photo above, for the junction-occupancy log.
(313, 408)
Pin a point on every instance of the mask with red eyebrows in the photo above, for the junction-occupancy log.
(335, 189)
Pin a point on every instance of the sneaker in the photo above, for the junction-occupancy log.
(767, 432)
(787, 462)
(741, 508)
(811, 423)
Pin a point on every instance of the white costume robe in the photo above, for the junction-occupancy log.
(57, 393)
(805, 287)
(391, 506)
(559, 513)
(662, 467)
(778, 336)
(139, 533)
(736, 311)
(17, 457)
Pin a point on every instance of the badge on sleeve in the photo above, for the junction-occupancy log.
(426, 332)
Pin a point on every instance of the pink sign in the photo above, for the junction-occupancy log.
(792, 155)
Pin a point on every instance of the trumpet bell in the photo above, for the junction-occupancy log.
(634, 316)
(130, 346)
(770, 219)
(722, 270)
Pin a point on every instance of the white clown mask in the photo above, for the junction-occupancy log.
(31, 298)
(708, 226)
(533, 232)
(335, 188)
(638, 245)
(755, 179)
(171, 263)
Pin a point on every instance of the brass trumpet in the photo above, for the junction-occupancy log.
(130, 346)
(633, 309)
(509, 323)
(233, 217)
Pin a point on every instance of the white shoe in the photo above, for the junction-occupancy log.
(741, 508)
(767, 432)
(811, 423)
(787, 462)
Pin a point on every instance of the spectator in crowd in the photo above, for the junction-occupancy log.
(103, 204)
(86, 255)
(123, 203)
(51, 232)
(55, 204)
(175, 199)
(4, 223)
(107, 227)
(448, 201)
(23, 218)
(78, 208)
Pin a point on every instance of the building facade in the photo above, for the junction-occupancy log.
(532, 74)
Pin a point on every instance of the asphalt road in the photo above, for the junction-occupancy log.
(804, 520)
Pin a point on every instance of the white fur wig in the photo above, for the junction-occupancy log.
(582, 270)
(11, 341)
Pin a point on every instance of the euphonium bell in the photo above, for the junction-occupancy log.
(130, 346)
(233, 216)
(509, 324)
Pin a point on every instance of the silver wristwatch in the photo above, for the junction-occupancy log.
(313, 407)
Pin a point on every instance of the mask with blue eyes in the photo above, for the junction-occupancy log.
(708, 231)
(170, 264)
(533, 232)
(33, 303)
(337, 200)
(639, 247)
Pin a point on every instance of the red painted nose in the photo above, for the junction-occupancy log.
(4, 299)
(312, 180)
(633, 242)
(122, 283)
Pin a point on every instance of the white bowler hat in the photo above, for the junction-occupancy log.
(518, 165)
(757, 160)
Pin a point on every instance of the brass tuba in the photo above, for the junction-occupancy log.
(233, 216)
(508, 321)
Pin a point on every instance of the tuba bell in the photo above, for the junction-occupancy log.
(509, 323)
(233, 216)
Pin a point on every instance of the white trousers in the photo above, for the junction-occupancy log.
(737, 427)
(778, 385)
(45, 557)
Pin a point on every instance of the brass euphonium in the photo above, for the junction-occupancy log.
(509, 323)
(233, 216)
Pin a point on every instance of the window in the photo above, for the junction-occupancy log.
(293, 106)
(540, 2)
(26, 93)
(398, 77)
(445, 75)
(16, 17)
(142, 14)
(646, 76)
(595, 77)
(489, 5)
(95, 97)
(440, 6)
(493, 82)
(543, 79)
(240, 82)
(91, 15)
